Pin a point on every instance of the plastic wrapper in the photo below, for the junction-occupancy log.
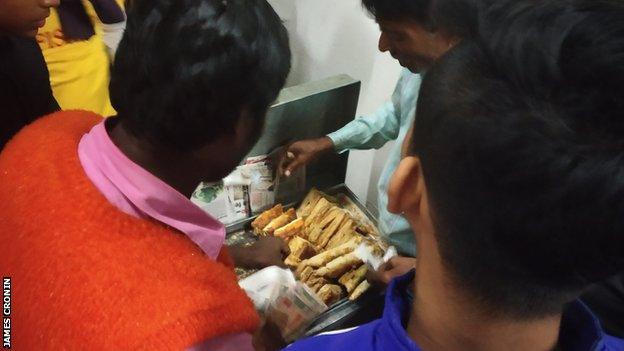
(282, 300)
(260, 286)
(292, 309)
(365, 253)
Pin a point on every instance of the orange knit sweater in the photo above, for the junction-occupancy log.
(86, 276)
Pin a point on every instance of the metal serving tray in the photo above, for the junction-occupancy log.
(342, 314)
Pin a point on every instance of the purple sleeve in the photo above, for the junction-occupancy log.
(108, 11)
(239, 342)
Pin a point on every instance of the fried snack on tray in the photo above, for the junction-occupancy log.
(352, 279)
(292, 262)
(345, 233)
(316, 283)
(327, 256)
(323, 235)
(339, 266)
(361, 289)
(300, 249)
(280, 221)
(321, 207)
(305, 273)
(265, 218)
(316, 228)
(308, 203)
(330, 293)
(289, 230)
(329, 232)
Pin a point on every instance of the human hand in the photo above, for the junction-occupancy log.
(268, 338)
(266, 252)
(303, 152)
(395, 267)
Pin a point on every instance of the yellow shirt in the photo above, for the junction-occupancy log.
(79, 70)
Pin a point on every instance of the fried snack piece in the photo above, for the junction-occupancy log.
(329, 232)
(352, 279)
(305, 273)
(300, 249)
(330, 293)
(367, 230)
(265, 218)
(327, 256)
(280, 221)
(361, 289)
(321, 207)
(308, 203)
(316, 283)
(316, 228)
(340, 265)
(343, 235)
(345, 239)
(292, 262)
(289, 230)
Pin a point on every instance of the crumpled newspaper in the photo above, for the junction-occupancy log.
(259, 171)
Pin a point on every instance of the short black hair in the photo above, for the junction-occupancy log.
(521, 139)
(186, 70)
(456, 17)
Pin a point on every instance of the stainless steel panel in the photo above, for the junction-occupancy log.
(312, 110)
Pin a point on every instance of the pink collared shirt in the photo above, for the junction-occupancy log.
(139, 193)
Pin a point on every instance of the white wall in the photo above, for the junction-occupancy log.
(330, 37)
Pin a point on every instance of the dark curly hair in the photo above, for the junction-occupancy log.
(456, 17)
(521, 139)
(187, 70)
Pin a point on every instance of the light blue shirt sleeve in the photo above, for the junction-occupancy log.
(392, 121)
(372, 131)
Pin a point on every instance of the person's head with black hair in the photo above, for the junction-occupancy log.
(417, 32)
(192, 82)
(514, 182)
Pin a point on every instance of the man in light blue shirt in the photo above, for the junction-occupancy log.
(391, 121)
(415, 33)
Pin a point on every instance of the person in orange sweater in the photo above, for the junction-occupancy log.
(104, 248)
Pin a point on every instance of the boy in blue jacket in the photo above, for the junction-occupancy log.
(514, 185)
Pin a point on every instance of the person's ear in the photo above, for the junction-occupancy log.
(445, 42)
(406, 188)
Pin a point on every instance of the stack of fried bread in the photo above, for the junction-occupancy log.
(322, 238)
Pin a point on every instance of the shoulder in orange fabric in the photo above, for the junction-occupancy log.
(87, 276)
